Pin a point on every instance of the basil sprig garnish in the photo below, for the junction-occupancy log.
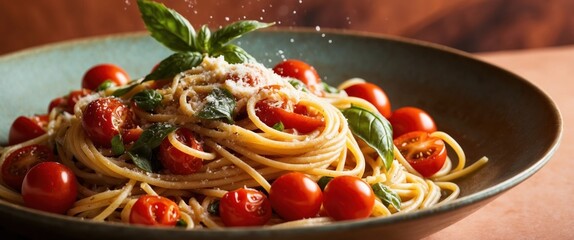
(387, 196)
(374, 129)
(219, 104)
(175, 32)
(148, 99)
(141, 152)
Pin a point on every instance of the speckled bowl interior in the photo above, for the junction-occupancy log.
(490, 111)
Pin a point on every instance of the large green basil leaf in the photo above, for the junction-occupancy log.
(234, 54)
(167, 26)
(220, 103)
(142, 150)
(174, 64)
(148, 99)
(374, 129)
(235, 30)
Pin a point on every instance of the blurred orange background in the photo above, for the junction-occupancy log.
(470, 25)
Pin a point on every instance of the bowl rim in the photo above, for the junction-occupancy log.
(486, 193)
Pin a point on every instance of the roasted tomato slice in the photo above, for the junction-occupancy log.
(299, 119)
(424, 153)
(19, 162)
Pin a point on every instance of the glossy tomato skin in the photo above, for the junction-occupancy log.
(19, 162)
(25, 128)
(298, 119)
(154, 211)
(295, 196)
(373, 94)
(424, 153)
(58, 102)
(105, 118)
(98, 74)
(347, 198)
(176, 161)
(244, 207)
(410, 119)
(302, 71)
(50, 187)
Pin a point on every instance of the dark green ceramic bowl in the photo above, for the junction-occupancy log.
(490, 111)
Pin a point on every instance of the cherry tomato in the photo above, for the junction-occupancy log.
(57, 102)
(301, 71)
(348, 197)
(50, 187)
(409, 119)
(424, 153)
(154, 211)
(299, 119)
(73, 98)
(25, 128)
(105, 118)
(294, 196)
(244, 207)
(176, 161)
(19, 162)
(98, 74)
(373, 94)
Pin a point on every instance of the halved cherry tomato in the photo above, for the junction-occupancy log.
(348, 197)
(98, 74)
(176, 161)
(409, 119)
(244, 207)
(298, 119)
(105, 118)
(19, 162)
(295, 196)
(73, 98)
(26, 128)
(373, 94)
(301, 71)
(424, 153)
(50, 187)
(154, 211)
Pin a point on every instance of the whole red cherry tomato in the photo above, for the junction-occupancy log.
(58, 102)
(348, 197)
(154, 211)
(19, 162)
(373, 94)
(244, 207)
(50, 187)
(176, 161)
(299, 119)
(424, 153)
(26, 128)
(295, 196)
(98, 74)
(105, 118)
(409, 119)
(302, 71)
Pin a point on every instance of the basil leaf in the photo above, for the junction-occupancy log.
(117, 145)
(323, 181)
(374, 129)
(175, 64)
(234, 54)
(213, 208)
(387, 196)
(220, 103)
(279, 126)
(122, 91)
(233, 31)
(167, 26)
(148, 99)
(329, 89)
(202, 40)
(142, 150)
(105, 85)
(298, 84)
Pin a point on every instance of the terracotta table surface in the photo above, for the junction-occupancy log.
(541, 206)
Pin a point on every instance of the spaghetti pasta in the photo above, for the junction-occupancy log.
(243, 152)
